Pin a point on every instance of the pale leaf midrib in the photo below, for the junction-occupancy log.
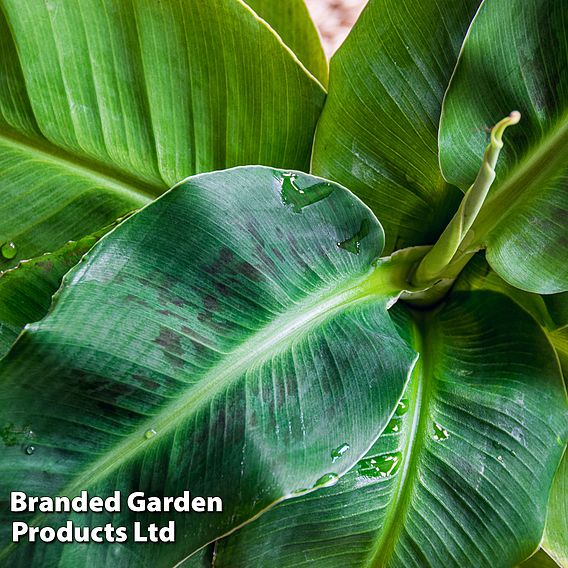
(102, 175)
(418, 415)
(254, 350)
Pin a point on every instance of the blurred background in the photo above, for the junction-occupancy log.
(334, 19)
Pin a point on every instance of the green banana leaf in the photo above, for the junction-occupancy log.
(292, 21)
(27, 289)
(378, 132)
(230, 339)
(515, 58)
(461, 475)
(552, 313)
(104, 104)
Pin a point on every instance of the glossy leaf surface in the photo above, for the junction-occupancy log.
(461, 475)
(515, 58)
(551, 312)
(378, 131)
(104, 104)
(26, 290)
(225, 340)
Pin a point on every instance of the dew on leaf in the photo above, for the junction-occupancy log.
(402, 407)
(150, 433)
(380, 466)
(393, 426)
(440, 433)
(29, 450)
(339, 452)
(327, 480)
(298, 197)
(8, 250)
(353, 243)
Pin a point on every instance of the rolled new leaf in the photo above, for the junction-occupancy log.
(231, 339)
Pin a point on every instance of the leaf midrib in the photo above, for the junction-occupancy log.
(420, 390)
(255, 349)
(103, 175)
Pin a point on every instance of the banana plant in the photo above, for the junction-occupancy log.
(347, 316)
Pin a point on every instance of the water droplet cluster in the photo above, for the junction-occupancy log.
(440, 433)
(383, 466)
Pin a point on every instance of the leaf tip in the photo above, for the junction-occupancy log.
(514, 117)
(498, 130)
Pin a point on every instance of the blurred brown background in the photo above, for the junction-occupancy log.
(334, 19)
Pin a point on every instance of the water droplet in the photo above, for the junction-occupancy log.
(150, 433)
(500, 458)
(440, 433)
(393, 426)
(327, 480)
(402, 407)
(339, 452)
(8, 250)
(353, 244)
(30, 450)
(298, 197)
(380, 466)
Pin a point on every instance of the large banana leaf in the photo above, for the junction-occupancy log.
(231, 339)
(292, 21)
(515, 58)
(461, 476)
(378, 131)
(106, 103)
(552, 313)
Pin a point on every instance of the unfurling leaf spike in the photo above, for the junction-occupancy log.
(451, 253)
